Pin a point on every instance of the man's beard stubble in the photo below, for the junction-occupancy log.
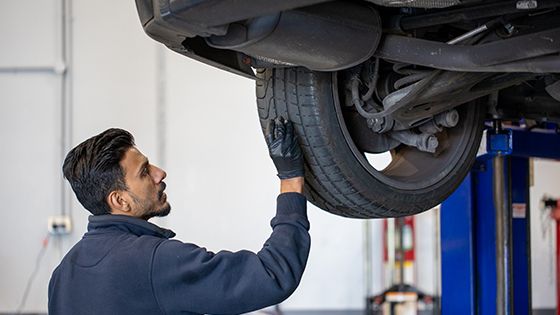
(149, 209)
(161, 212)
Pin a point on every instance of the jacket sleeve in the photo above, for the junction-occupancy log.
(186, 277)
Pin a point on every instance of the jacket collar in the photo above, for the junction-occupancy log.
(127, 223)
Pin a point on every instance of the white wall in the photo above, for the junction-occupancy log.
(545, 174)
(221, 182)
(30, 146)
(427, 259)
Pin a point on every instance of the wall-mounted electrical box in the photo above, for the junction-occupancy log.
(59, 225)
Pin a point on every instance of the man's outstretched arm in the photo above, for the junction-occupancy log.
(186, 277)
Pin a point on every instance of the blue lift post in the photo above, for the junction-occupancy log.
(470, 258)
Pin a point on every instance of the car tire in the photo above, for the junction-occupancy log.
(337, 179)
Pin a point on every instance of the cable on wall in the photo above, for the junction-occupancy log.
(40, 255)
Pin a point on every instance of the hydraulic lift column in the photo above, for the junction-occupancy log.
(485, 227)
(501, 189)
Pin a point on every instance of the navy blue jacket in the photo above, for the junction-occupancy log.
(124, 265)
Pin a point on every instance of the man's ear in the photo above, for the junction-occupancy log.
(118, 202)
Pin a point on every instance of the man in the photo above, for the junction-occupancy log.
(127, 265)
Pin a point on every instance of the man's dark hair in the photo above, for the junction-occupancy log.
(93, 168)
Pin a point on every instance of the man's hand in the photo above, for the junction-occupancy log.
(284, 148)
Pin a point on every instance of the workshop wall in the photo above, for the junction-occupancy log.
(30, 128)
(197, 122)
(545, 174)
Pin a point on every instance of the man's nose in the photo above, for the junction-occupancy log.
(158, 174)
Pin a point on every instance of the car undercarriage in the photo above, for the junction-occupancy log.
(413, 78)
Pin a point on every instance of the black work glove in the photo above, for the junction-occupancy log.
(284, 148)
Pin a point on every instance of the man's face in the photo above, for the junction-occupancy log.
(145, 186)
